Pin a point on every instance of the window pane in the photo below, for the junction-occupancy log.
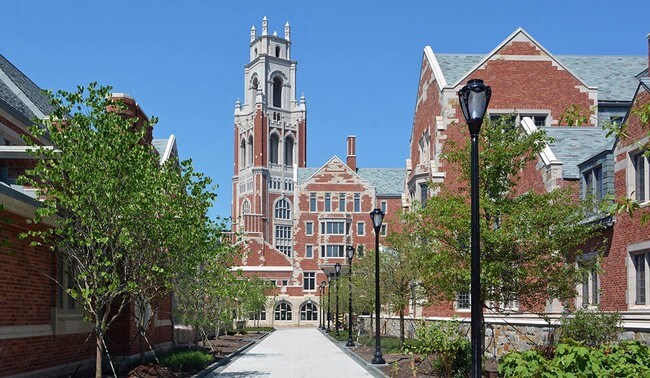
(639, 264)
(312, 202)
(328, 202)
(639, 179)
(342, 202)
(357, 202)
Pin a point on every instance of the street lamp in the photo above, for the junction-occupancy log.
(321, 288)
(329, 290)
(337, 269)
(350, 254)
(377, 217)
(474, 98)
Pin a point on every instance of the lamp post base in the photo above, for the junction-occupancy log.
(378, 359)
(350, 343)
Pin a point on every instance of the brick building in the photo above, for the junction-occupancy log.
(42, 331)
(537, 87)
(296, 221)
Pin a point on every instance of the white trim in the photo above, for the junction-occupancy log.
(168, 148)
(435, 67)
(21, 95)
(546, 154)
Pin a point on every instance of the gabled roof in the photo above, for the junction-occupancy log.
(574, 145)
(389, 182)
(20, 94)
(166, 148)
(614, 76)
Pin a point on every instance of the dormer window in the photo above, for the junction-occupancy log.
(592, 184)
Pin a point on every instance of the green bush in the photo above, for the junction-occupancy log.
(591, 328)
(447, 342)
(187, 361)
(628, 359)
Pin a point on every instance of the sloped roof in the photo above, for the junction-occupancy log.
(574, 145)
(166, 148)
(20, 93)
(615, 76)
(387, 181)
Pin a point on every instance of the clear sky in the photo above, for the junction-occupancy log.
(358, 61)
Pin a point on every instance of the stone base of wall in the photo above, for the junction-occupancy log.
(508, 333)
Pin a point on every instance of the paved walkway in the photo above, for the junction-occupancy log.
(289, 353)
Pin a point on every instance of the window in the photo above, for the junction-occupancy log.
(331, 250)
(539, 119)
(283, 311)
(245, 208)
(308, 311)
(309, 251)
(309, 281)
(258, 316)
(328, 202)
(463, 301)
(360, 250)
(357, 202)
(384, 227)
(424, 194)
(249, 158)
(242, 154)
(288, 151)
(593, 183)
(342, 202)
(283, 239)
(65, 278)
(312, 201)
(277, 51)
(361, 228)
(283, 209)
(640, 277)
(384, 206)
(277, 92)
(309, 228)
(641, 177)
(274, 145)
(590, 294)
(332, 228)
(285, 282)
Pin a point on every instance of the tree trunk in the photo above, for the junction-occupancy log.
(99, 355)
(401, 328)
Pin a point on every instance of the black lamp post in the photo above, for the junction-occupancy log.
(321, 288)
(329, 291)
(337, 269)
(474, 98)
(350, 254)
(377, 217)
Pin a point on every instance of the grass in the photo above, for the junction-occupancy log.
(188, 360)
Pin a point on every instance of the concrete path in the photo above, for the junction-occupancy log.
(289, 353)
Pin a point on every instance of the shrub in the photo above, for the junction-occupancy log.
(447, 342)
(187, 361)
(591, 328)
(628, 359)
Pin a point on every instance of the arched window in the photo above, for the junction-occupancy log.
(277, 51)
(274, 147)
(249, 160)
(254, 85)
(245, 208)
(277, 92)
(308, 311)
(283, 209)
(242, 154)
(288, 151)
(283, 311)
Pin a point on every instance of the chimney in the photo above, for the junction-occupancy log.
(352, 153)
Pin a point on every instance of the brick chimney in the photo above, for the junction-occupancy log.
(352, 153)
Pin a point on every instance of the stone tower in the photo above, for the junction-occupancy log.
(270, 141)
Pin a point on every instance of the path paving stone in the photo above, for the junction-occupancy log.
(296, 352)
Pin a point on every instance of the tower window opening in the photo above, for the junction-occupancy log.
(277, 51)
(275, 141)
(249, 160)
(242, 154)
(277, 92)
(288, 151)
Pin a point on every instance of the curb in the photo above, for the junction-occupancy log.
(372, 369)
(222, 361)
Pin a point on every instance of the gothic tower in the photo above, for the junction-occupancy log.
(270, 141)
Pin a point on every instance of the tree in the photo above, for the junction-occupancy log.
(107, 196)
(530, 242)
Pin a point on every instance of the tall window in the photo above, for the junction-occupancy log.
(424, 194)
(342, 202)
(640, 277)
(288, 151)
(308, 312)
(283, 239)
(274, 146)
(590, 289)
(249, 148)
(309, 251)
(641, 177)
(277, 92)
(357, 202)
(384, 206)
(309, 228)
(309, 281)
(254, 86)
(242, 154)
(245, 207)
(328, 202)
(361, 228)
(312, 201)
(593, 183)
(332, 250)
(283, 209)
(65, 276)
(283, 311)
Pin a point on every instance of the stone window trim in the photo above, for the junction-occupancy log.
(309, 251)
(361, 228)
(309, 281)
(634, 253)
(357, 203)
(313, 202)
(540, 117)
(590, 287)
(283, 311)
(463, 302)
(309, 228)
(309, 311)
(638, 177)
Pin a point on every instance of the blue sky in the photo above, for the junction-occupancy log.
(358, 61)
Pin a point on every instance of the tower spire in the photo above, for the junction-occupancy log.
(265, 26)
(252, 33)
(287, 31)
